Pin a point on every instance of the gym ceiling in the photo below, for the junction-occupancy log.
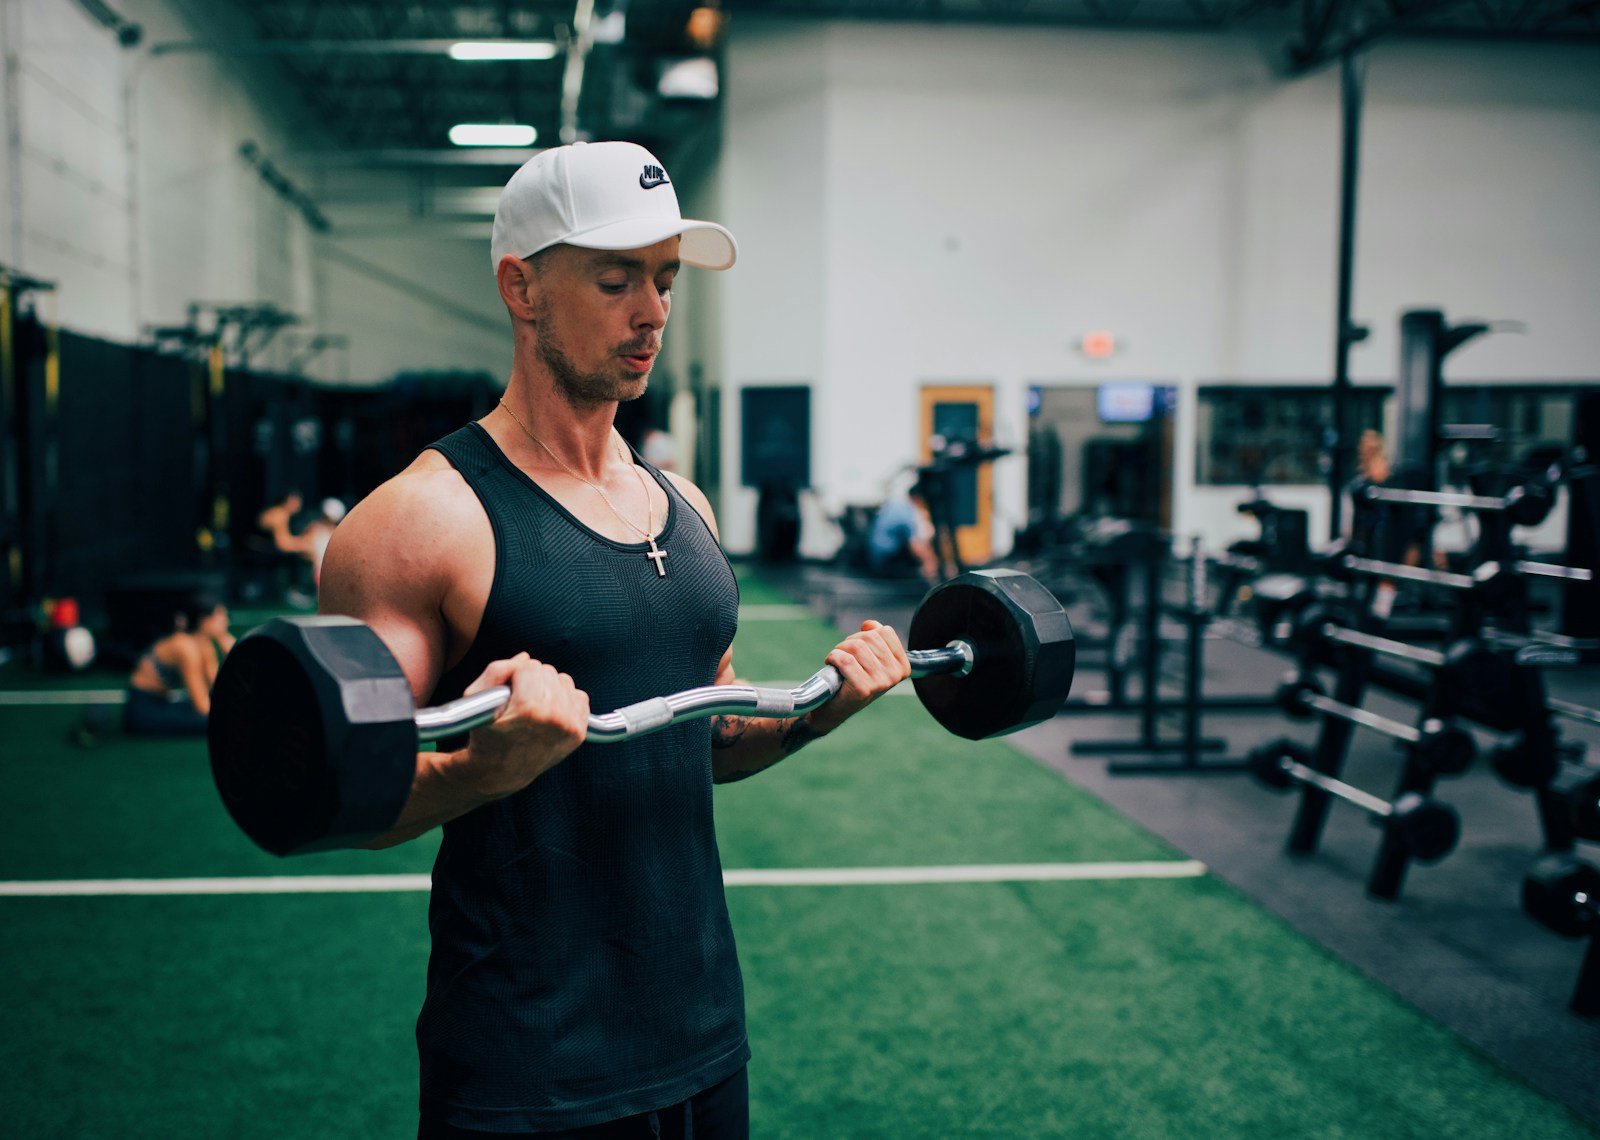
(371, 88)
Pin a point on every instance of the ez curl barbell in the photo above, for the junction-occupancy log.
(314, 735)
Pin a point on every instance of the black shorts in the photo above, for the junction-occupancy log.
(721, 1112)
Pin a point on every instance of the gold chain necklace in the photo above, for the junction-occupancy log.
(655, 554)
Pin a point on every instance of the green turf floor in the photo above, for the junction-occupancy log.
(1167, 1008)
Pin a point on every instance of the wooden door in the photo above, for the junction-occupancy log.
(964, 411)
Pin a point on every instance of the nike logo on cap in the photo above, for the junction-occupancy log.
(652, 177)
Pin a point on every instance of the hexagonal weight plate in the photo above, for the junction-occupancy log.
(312, 737)
(1023, 648)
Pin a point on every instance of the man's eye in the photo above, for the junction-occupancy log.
(613, 287)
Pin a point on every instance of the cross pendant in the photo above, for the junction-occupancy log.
(659, 557)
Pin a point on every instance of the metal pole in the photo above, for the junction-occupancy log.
(1417, 399)
(1352, 78)
(11, 100)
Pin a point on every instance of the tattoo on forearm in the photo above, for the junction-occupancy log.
(795, 735)
(726, 731)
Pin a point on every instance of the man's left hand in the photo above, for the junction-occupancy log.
(871, 663)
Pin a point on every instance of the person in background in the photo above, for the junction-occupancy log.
(900, 543)
(1363, 518)
(659, 450)
(311, 542)
(169, 691)
(1372, 464)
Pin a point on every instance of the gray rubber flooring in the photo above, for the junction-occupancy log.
(1455, 944)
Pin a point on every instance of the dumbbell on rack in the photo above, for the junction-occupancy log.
(1563, 894)
(1576, 787)
(1426, 829)
(1442, 748)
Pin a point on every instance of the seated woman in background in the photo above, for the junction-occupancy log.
(169, 691)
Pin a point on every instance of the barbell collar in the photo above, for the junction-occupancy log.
(652, 715)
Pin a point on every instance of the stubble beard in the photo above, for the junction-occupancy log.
(582, 389)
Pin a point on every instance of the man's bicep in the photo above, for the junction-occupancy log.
(364, 579)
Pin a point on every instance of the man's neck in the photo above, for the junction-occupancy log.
(579, 437)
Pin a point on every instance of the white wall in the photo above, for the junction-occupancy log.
(776, 162)
(409, 301)
(67, 207)
(988, 195)
(132, 196)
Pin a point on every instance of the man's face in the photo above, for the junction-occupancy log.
(600, 316)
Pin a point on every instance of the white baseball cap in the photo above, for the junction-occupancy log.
(604, 195)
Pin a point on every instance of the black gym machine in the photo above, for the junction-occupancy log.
(1197, 612)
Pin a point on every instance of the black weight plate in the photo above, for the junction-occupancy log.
(1023, 648)
(312, 737)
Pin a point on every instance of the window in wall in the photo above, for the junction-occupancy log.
(1259, 434)
(1529, 417)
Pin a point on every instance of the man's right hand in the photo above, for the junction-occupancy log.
(545, 719)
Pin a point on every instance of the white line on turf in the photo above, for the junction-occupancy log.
(262, 885)
(774, 877)
(774, 612)
(64, 697)
(982, 873)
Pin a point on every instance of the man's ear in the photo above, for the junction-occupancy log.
(519, 287)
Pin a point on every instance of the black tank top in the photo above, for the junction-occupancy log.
(583, 966)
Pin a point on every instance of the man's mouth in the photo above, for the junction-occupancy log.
(638, 361)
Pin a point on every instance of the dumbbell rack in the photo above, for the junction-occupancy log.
(1351, 653)
(1491, 678)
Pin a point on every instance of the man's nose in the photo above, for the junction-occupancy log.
(653, 312)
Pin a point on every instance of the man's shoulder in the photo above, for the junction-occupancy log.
(412, 525)
(427, 491)
(694, 496)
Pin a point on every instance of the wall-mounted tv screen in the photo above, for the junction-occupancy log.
(1125, 403)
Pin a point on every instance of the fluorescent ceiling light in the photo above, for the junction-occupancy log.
(503, 49)
(492, 134)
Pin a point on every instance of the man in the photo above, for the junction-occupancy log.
(312, 542)
(900, 543)
(583, 980)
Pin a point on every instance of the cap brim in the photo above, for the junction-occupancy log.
(705, 245)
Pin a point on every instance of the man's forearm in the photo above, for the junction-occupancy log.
(741, 746)
(439, 793)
